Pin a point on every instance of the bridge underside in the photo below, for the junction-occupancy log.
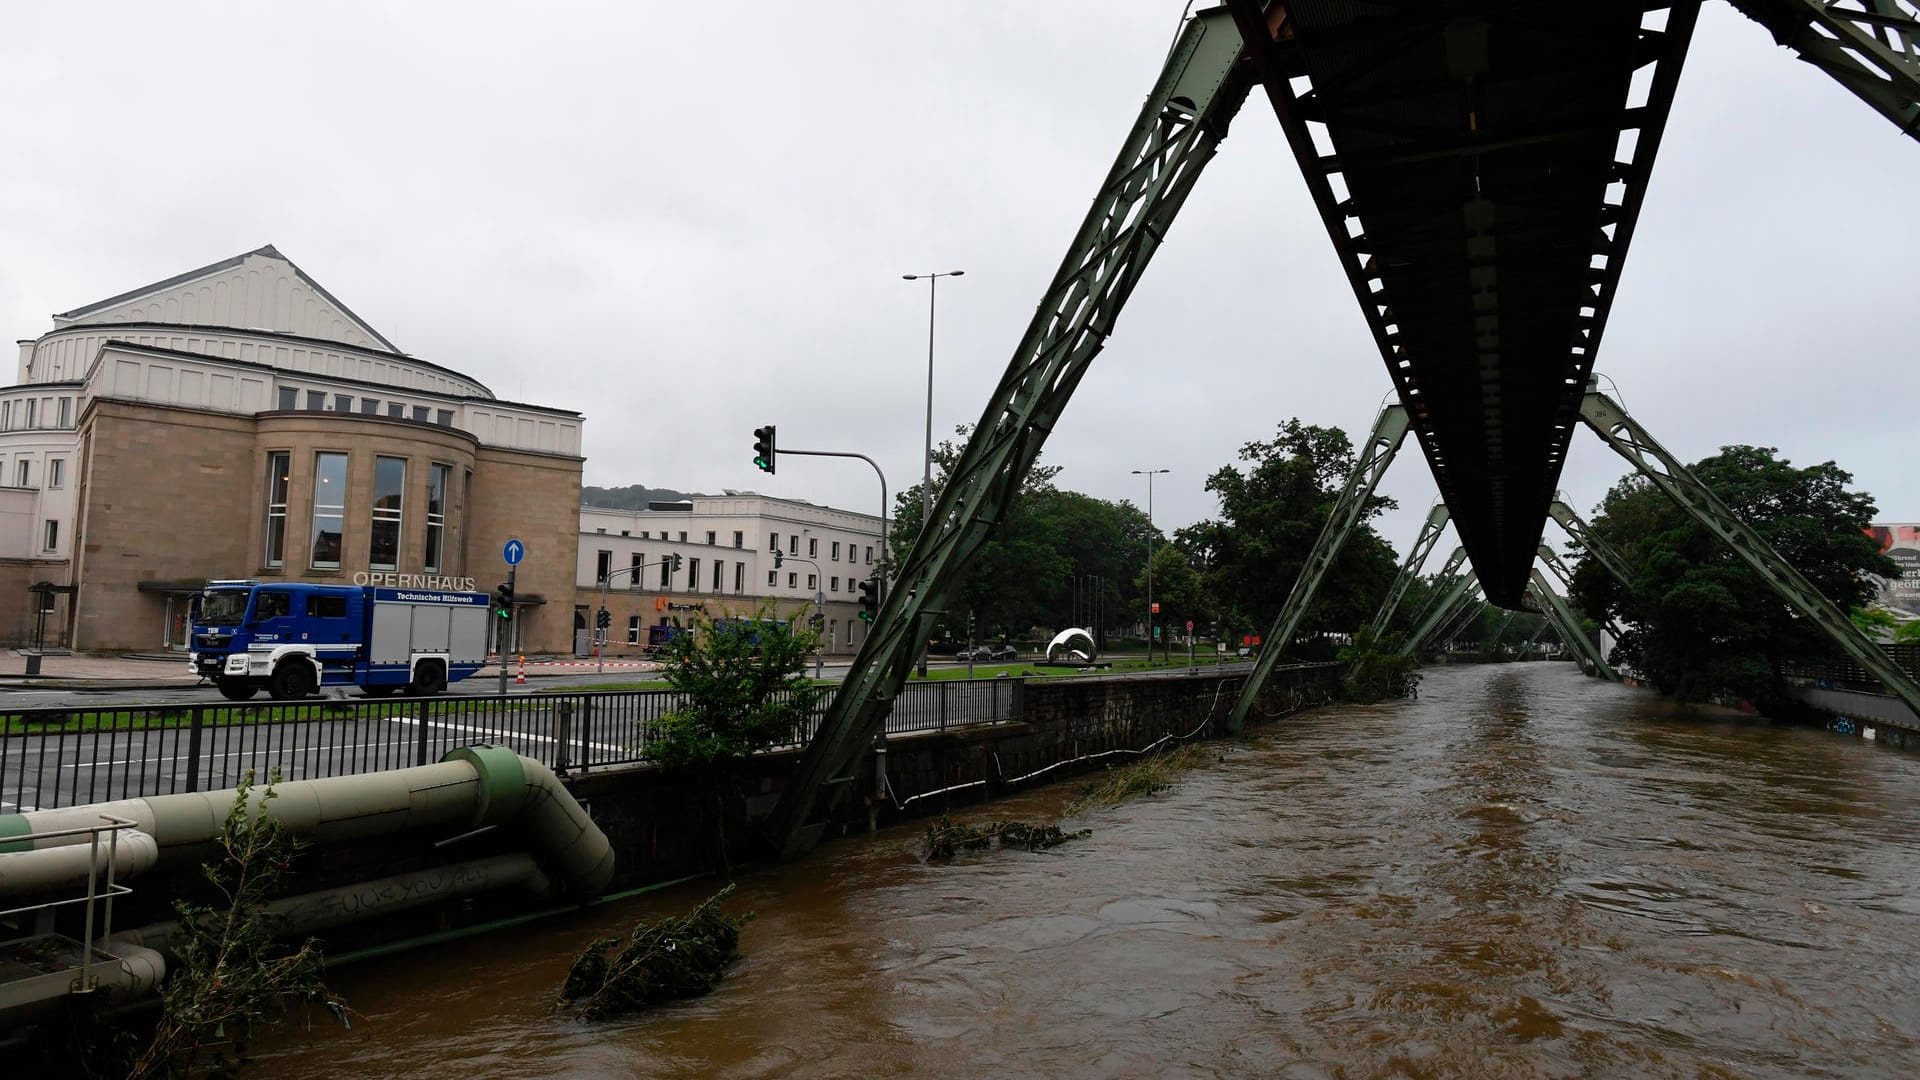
(1479, 164)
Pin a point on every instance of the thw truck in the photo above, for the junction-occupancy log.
(292, 639)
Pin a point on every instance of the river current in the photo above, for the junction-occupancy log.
(1522, 873)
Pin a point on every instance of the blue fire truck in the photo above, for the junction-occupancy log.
(292, 639)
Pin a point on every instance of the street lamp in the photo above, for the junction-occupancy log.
(1150, 474)
(926, 473)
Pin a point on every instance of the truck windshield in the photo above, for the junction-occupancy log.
(223, 608)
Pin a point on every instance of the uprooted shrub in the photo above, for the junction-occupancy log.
(946, 837)
(680, 956)
(1147, 776)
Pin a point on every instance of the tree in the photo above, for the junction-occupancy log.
(1270, 516)
(746, 690)
(1698, 620)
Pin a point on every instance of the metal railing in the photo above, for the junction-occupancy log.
(84, 980)
(1842, 673)
(53, 758)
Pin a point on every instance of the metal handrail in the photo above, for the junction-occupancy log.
(86, 981)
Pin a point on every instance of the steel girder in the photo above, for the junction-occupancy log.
(1632, 442)
(1465, 612)
(1591, 542)
(1389, 430)
(1178, 130)
(1871, 47)
(1555, 608)
(1559, 568)
(1441, 613)
(1423, 546)
(1445, 580)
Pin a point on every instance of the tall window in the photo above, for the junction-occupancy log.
(693, 575)
(813, 581)
(31, 403)
(666, 573)
(329, 510)
(277, 468)
(389, 485)
(718, 569)
(739, 577)
(24, 472)
(739, 539)
(813, 547)
(602, 565)
(771, 578)
(633, 570)
(836, 552)
(793, 545)
(66, 412)
(56, 473)
(869, 554)
(6, 415)
(633, 629)
(833, 584)
(773, 541)
(53, 535)
(793, 581)
(437, 477)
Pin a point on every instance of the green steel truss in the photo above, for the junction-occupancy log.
(1179, 128)
(1871, 47)
(1559, 568)
(1444, 581)
(1410, 568)
(1555, 608)
(1441, 613)
(1632, 442)
(1584, 535)
(1389, 430)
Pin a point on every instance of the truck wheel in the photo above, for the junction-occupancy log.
(291, 681)
(235, 689)
(428, 679)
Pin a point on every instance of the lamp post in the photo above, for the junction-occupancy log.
(1150, 474)
(926, 470)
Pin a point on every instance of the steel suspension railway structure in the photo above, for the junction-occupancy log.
(1479, 167)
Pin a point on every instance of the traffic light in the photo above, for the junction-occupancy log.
(604, 620)
(778, 560)
(676, 563)
(869, 599)
(764, 448)
(503, 601)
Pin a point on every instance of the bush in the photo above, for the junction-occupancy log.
(1377, 671)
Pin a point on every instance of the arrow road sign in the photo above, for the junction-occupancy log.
(514, 552)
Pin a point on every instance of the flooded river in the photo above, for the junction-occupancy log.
(1523, 873)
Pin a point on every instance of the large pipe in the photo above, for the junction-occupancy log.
(474, 786)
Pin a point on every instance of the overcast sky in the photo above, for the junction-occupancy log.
(686, 221)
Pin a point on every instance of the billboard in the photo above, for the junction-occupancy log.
(1901, 543)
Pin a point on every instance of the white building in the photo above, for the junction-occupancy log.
(727, 545)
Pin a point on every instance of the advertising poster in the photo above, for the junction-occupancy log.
(1901, 543)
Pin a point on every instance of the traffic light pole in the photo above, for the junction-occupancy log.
(599, 644)
(506, 632)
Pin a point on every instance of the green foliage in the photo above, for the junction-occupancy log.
(1148, 776)
(746, 690)
(680, 956)
(1375, 670)
(1048, 541)
(946, 837)
(1270, 516)
(1698, 620)
(230, 977)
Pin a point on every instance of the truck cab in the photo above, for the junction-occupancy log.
(292, 639)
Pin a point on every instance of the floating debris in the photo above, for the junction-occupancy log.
(1148, 776)
(947, 837)
(680, 956)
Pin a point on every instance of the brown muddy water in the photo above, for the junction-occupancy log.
(1523, 873)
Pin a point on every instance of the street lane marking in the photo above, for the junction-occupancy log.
(498, 733)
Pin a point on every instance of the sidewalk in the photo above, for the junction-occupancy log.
(169, 671)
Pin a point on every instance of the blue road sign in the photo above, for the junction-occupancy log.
(515, 552)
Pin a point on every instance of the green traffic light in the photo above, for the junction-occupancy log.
(762, 462)
(866, 616)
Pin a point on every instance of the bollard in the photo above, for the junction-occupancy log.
(33, 663)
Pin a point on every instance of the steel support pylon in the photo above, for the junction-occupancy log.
(1441, 613)
(1591, 542)
(1871, 47)
(1423, 546)
(1559, 568)
(1444, 579)
(1555, 608)
(1632, 442)
(1389, 430)
(1178, 130)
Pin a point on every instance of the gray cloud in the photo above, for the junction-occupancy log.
(686, 225)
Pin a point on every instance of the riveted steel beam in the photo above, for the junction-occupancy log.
(1555, 608)
(1559, 568)
(1444, 581)
(1591, 542)
(1389, 430)
(1440, 613)
(1423, 546)
(1178, 130)
(1871, 47)
(1631, 441)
